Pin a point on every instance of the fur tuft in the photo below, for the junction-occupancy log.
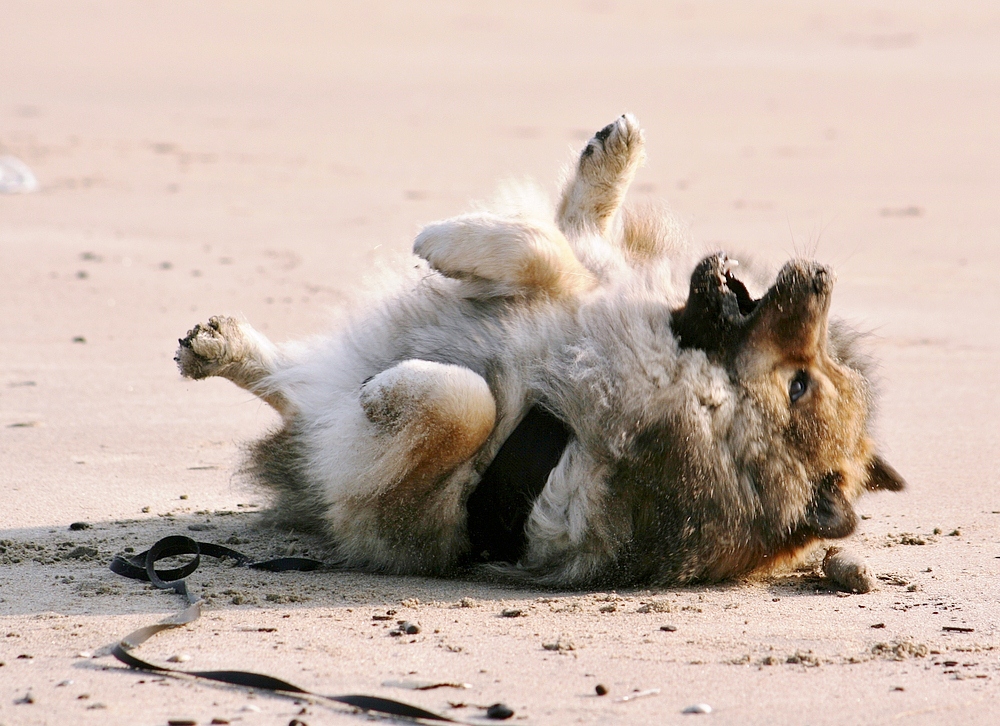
(278, 464)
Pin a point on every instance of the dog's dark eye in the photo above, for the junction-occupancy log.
(798, 386)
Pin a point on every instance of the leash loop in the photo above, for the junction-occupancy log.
(143, 567)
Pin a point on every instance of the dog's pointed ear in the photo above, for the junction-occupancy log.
(882, 477)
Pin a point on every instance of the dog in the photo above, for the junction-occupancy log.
(541, 396)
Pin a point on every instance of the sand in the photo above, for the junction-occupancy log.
(262, 159)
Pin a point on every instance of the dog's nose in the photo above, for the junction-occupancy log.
(822, 281)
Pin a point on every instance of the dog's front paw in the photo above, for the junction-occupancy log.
(847, 571)
(208, 347)
(613, 150)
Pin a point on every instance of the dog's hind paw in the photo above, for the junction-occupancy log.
(209, 347)
(607, 165)
(613, 150)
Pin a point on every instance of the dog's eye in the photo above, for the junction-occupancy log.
(798, 386)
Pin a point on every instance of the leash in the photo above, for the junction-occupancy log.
(143, 567)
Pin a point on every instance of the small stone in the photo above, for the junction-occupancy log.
(26, 699)
(668, 628)
(79, 339)
(512, 613)
(698, 708)
(219, 721)
(803, 657)
(84, 654)
(184, 496)
(77, 526)
(251, 708)
(499, 711)
(144, 510)
(179, 658)
(16, 177)
(409, 628)
(559, 645)
(181, 722)
(600, 689)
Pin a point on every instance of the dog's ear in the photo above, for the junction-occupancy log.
(882, 477)
(830, 515)
(519, 255)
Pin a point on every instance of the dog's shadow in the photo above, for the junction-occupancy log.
(66, 570)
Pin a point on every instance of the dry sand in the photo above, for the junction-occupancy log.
(260, 158)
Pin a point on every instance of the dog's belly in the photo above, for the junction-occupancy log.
(499, 506)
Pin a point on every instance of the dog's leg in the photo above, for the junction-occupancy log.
(606, 167)
(437, 415)
(228, 348)
(403, 510)
(574, 526)
(515, 255)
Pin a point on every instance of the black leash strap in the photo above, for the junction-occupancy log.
(143, 567)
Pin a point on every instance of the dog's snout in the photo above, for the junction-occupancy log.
(803, 277)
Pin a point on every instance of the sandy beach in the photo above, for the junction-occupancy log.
(264, 160)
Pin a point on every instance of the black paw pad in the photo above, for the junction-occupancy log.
(605, 132)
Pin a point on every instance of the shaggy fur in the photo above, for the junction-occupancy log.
(692, 435)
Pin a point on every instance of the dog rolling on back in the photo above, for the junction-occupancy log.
(541, 394)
